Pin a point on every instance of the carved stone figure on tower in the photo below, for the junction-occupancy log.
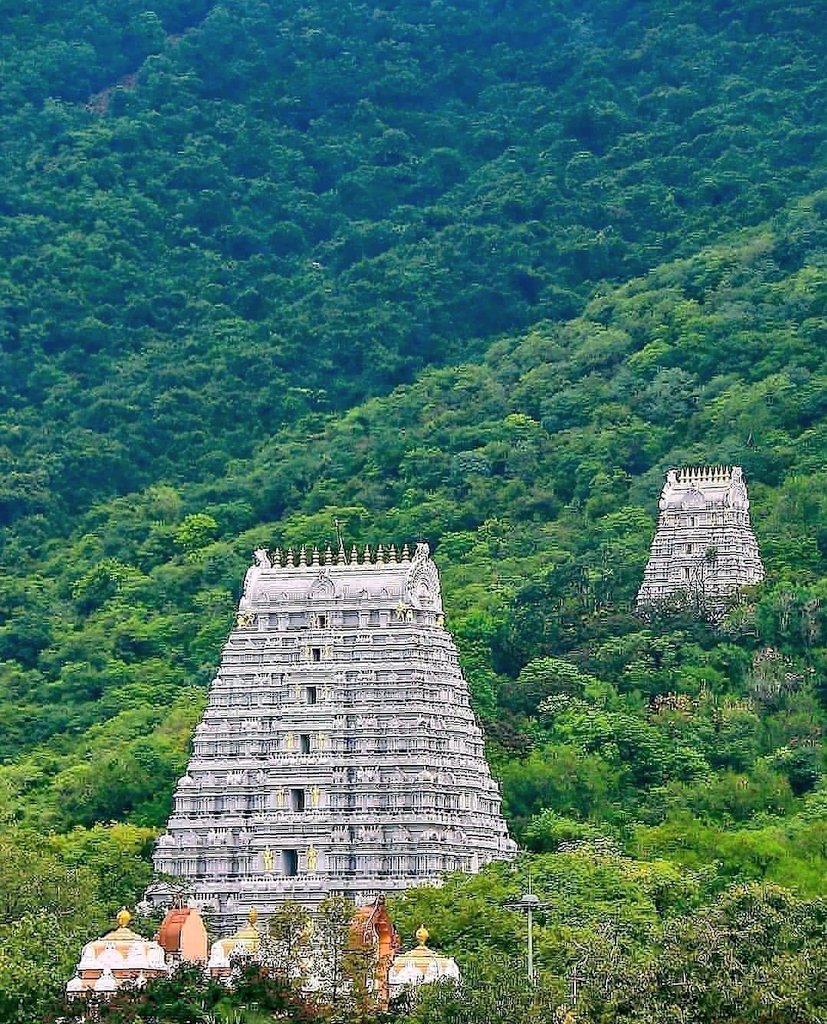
(261, 562)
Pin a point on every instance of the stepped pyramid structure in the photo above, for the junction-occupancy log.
(704, 548)
(338, 753)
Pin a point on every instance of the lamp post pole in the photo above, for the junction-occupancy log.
(529, 903)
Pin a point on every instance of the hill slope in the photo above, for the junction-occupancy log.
(478, 274)
(290, 207)
(535, 475)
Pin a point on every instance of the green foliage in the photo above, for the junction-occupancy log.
(187, 995)
(491, 990)
(266, 212)
(53, 891)
(548, 832)
(286, 948)
(195, 531)
(478, 273)
(543, 678)
(756, 955)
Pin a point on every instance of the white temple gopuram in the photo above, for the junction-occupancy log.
(338, 753)
(704, 548)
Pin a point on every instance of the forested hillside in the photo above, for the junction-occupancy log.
(475, 273)
(216, 220)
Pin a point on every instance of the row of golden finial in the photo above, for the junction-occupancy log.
(687, 474)
(309, 557)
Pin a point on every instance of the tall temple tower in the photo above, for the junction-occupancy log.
(704, 548)
(338, 753)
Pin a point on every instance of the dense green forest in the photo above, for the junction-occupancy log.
(477, 273)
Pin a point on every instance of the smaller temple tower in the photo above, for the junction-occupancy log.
(704, 548)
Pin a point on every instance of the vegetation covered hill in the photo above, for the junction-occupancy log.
(475, 273)
(288, 207)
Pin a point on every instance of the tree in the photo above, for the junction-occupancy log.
(286, 949)
(46, 909)
(338, 975)
(756, 956)
(195, 531)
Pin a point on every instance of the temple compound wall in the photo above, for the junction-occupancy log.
(704, 548)
(338, 753)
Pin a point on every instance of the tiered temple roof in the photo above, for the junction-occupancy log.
(704, 548)
(338, 752)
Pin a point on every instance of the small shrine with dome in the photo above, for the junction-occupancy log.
(124, 959)
(121, 957)
(245, 944)
(420, 966)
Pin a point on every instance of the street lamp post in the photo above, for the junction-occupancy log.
(529, 903)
